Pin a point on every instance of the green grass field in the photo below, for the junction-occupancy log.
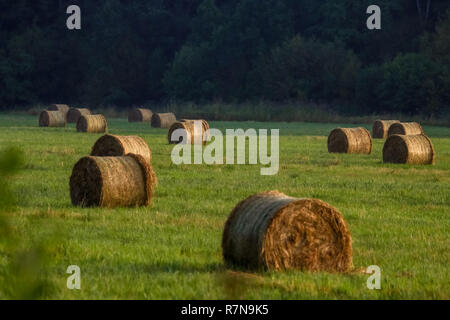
(398, 216)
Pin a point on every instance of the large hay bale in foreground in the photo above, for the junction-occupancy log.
(113, 146)
(276, 232)
(350, 140)
(412, 149)
(75, 113)
(163, 120)
(191, 136)
(140, 115)
(92, 124)
(405, 128)
(381, 127)
(112, 182)
(52, 119)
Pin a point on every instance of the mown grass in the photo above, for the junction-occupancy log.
(398, 216)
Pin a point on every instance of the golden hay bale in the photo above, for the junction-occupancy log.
(350, 140)
(112, 182)
(113, 146)
(405, 128)
(75, 113)
(52, 119)
(276, 232)
(140, 115)
(163, 120)
(381, 127)
(412, 149)
(189, 127)
(92, 124)
(64, 108)
(205, 123)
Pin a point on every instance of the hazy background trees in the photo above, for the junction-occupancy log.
(137, 52)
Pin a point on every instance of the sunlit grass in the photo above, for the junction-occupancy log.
(397, 214)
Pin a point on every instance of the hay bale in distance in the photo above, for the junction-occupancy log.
(273, 231)
(64, 108)
(112, 182)
(92, 124)
(189, 127)
(113, 146)
(405, 128)
(411, 149)
(52, 119)
(140, 115)
(163, 120)
(381, 127)
(350, 140)
(75, 113)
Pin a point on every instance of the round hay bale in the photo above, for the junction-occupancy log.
(381, 127)
(113, 146)
(163, 120)
(273, 231)
(52, 119)
(205, 123)
(92, 124)
(350, 140)
(189, 127)
(140, 115)
(412, 149)
(75, 113)
(112, 182)
(64, 108)
(405, 128)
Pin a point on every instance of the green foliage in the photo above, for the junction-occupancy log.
(308, 70)
(140, 52)
(411, 83)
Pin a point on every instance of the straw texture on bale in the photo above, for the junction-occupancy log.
(191, 136)
(112, 182)
(405, 128)
(350, 140)
(113, 146)
(412, 149)
(273, 231)
(140, 115)
(52, 119)
(92, 124)
(381, 127)
(75, 113)
(64, 108)
(163, 120)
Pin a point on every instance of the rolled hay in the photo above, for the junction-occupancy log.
(350, 140)
(140, 115)
(92, 124)
(381, 127)
(405, 128)
(412, 149)
(205, 123)
(163, 120)
(112, 182)
(75, 113)
(273, 231)
(64, 108)
(190, 131)
(52, 119)
(114, 146)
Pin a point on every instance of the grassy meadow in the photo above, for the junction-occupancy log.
(398, 216)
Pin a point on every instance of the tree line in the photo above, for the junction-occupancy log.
(141, 52)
